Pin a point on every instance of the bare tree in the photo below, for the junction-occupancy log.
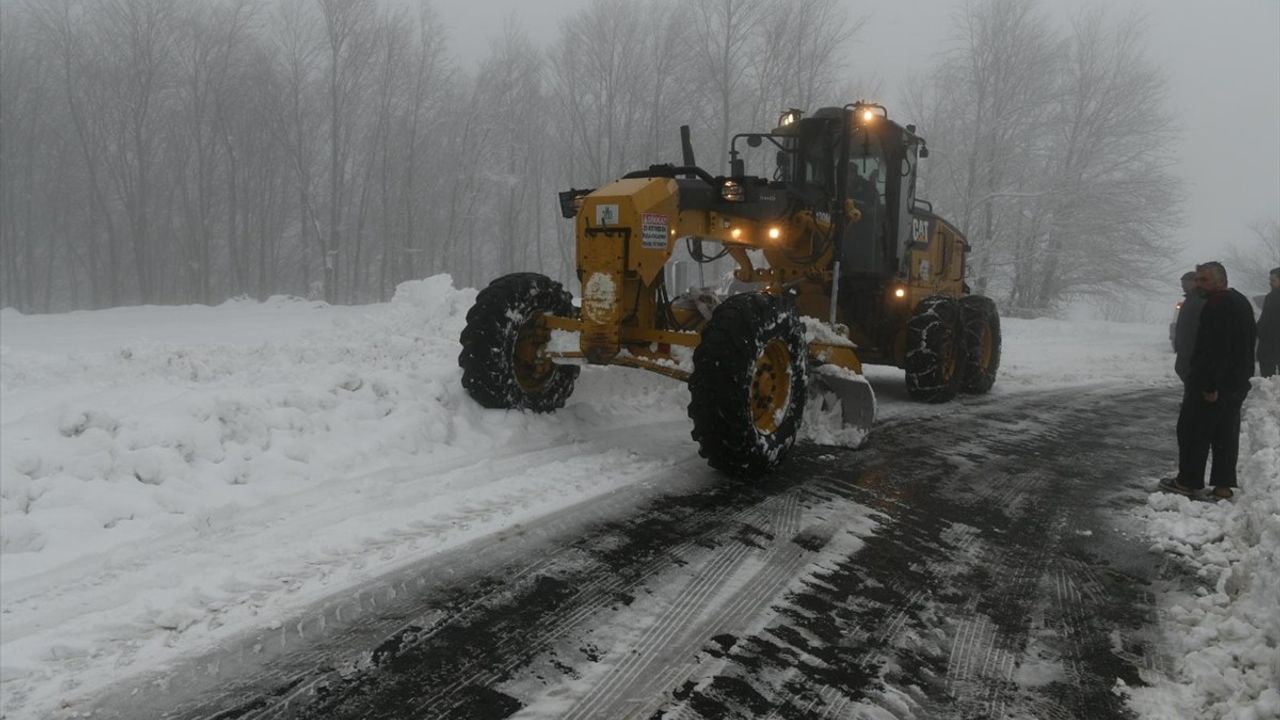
(139, 38)
(1110, 199)
(598, 74)
(346, 25)
(64, 28)
(723, 34)
(210, 39)
(418, 133)
(510, 88)
(1250, 262)
(260, 173)
(295, 31)
(1051, 152)
(800, 51)
(24, 93)
(991, 97)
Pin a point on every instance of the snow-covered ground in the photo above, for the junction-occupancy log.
(1225, 639)
(171, 476)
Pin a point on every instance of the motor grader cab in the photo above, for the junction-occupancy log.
(898, 269)
(835, 263)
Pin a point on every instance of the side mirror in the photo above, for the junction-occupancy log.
(924, 151)
(754, 140)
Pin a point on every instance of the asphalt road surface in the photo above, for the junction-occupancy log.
(979, 563)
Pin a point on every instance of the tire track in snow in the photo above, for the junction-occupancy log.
(327, 620)
(672, 665)
(986, 583)
(617, 696)
(564, 622)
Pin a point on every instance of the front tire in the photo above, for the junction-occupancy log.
(934, 350)
(502, 359)
(747, 390)
(981, 321)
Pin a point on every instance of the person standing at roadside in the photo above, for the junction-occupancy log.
(1184, 330)
(1269, 329)
(1215, 388)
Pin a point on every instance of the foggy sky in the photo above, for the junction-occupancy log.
(1222, 61)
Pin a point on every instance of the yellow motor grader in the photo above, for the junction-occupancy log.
(843, 263)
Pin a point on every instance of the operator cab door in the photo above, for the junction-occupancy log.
(866, 180)
(880, 178)
(875, 177)
(813, 173)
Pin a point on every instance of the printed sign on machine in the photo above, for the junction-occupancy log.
(653, 231)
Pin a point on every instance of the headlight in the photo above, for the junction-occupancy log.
(788, 117)
(899, 292)
(868, 115)
(731, 191)
(775, 233)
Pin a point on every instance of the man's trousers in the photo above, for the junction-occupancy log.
(1205, 426)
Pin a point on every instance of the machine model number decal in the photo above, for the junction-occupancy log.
(653, 231)
(607, 214)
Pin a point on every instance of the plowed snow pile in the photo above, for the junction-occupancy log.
(171, 475)
(1225, 639)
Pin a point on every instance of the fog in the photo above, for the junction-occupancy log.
(1222, 60)
(178, 151)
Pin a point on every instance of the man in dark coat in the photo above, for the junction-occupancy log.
(1216, 385)
(1184, 332)
(1269, 329)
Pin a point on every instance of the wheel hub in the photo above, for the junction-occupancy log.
(532, 367)
(771, 387)
(987, 348)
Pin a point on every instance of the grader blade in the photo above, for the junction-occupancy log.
(831, 386)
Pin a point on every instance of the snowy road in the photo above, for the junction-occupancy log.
(977, 565)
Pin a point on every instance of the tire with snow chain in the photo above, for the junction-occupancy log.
(747, 389)
(981, 322)
(935, 352)
(502, 360)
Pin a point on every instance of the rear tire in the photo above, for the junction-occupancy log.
(934, 360)
(981, 322)
(747, 390)
(503, 366)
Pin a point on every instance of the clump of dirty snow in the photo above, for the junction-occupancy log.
(816, 330)
(1224, 637)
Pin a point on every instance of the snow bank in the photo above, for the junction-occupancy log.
(1225, 638)
(171, 475)
(120, 441)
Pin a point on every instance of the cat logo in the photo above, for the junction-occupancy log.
(920, 230)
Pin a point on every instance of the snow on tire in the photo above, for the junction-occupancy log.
(981, 322)
(502, 362)
(934, 350)
(747, 390)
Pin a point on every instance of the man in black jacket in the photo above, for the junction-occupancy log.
(1216, 385)
(1269, 330)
